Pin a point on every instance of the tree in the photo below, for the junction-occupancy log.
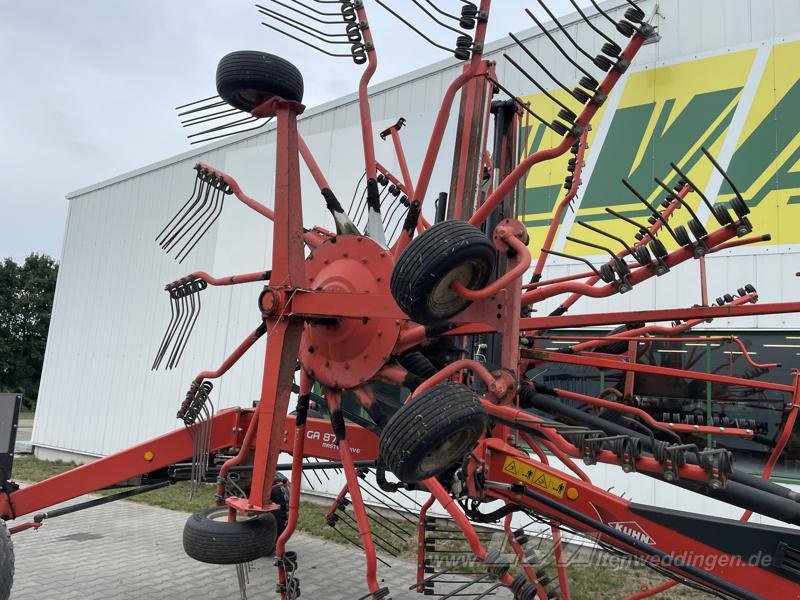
(26, 301)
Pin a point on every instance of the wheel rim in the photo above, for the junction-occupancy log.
(446, 453)
(443, 300)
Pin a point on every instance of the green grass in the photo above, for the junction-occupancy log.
(26, 414)
(587, 581)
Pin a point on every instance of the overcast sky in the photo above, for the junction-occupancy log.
(89, 87)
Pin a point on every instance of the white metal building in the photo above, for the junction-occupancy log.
(720, 71)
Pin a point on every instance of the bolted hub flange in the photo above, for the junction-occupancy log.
(343, 353)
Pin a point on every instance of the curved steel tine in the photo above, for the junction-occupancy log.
(309, 44)
(191, 328)
(564, 31)
(436, 20)
(411, 27)
(441, 12)
(700, 193)
(592, 245)
(196, 102)
(611, 211)
(591, 25)
(676, 197)
(191, 197)
(602, 12)
(339, 21)
(210, 117)
(178, 229)
(300, 26)
(722, 172)
(189, 307)
(243, 121)
(553, 41)
(655, 213)
(211, 219)
(519, 101)
(355, 192)
(569, 256)
(541, 65)
(199, 108)
(216, 137)
(319, 12)
(536, 83)
(164, 341)
(606, 234)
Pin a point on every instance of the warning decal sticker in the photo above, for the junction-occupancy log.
(534, 477)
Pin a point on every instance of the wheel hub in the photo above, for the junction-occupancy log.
(344, 353)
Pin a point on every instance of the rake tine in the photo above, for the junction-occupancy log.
(465, 586)
(191, 230)
(675, 196)
(722, 172)
(178, 230)
(569, 256)
(641, 227)
(382, 543)
(592, 245)
(519, 102)
(188, 305)
(161, 348)
(313, 471)
(303, 28)
(177, 307)
(309, 44)
(412, 28)
(441, 12)
(241, 576)
(489, 591)
(593, 27)
(566, 35)
(654, 212)
(319, 12)
(191, 197)
(199, 108)
(399, 222)
(606, 234)
(210, 220)
(357, 545)
(216, 137)
(600, 10)
(261, 9)
(541, 65)
(435, 19)
(196, 102)
(209, 117)
(685, 178)
(243, 121)
(355, 192)
(388, 506)
(537, 84)
(391, 527)
(360, 201)
(189, 331)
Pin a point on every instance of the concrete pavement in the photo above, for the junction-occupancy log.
(129, 551)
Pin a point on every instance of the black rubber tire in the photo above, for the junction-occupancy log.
(248, 78)
(620, 347)
(209, 538)
(449, 251)
(682, 236)
(6, 562)
(432, 432)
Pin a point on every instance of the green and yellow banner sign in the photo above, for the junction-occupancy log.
(744, 106)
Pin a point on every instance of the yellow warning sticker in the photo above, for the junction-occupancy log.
(533, 476)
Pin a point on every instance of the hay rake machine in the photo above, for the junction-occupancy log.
(441, 309)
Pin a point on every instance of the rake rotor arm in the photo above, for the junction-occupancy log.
(140, 459)
(234, 356)
(511, 180)
(443, 116)
(555, 223)
(637, 276)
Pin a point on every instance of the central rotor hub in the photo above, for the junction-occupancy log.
(339, 352)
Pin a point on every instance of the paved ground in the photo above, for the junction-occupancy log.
(127, 551)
